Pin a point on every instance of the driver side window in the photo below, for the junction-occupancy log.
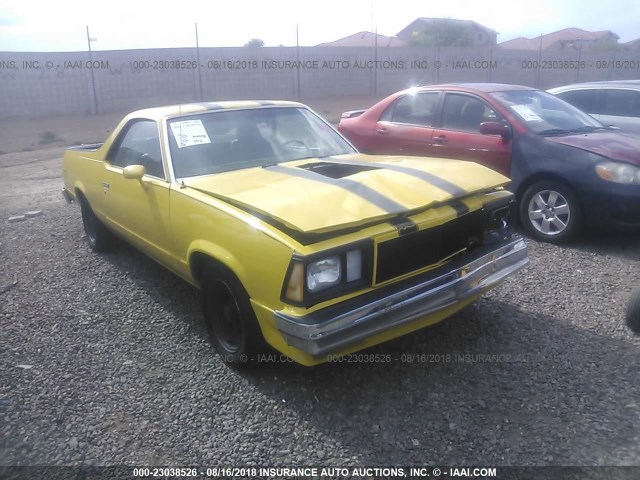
(140, 145)
(465, 113)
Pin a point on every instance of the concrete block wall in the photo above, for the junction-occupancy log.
(37, 84)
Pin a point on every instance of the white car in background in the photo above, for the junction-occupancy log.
(613, 103)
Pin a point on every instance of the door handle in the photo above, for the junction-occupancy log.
(441, 139)
(382, 131)
(105, 186)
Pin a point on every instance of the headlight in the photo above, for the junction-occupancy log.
(323, 273)
(321, 277)
(499, 224)
(618, 172)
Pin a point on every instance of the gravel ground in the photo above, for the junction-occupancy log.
(104, 361)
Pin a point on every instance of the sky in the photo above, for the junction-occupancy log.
(29, 25)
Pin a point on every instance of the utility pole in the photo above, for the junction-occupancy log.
(199, 70)
(93, 77)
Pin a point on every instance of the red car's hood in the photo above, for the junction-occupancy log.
(613, 145)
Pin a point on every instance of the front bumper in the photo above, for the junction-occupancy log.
(339, 326)
(614, 205)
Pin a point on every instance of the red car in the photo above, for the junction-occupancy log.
(567, 169)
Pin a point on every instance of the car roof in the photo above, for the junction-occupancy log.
(168, 111)
(478, 87)
(635, 84)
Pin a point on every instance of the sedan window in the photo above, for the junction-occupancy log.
(465, 113)
(622, 103)
(413, 109)
(585, 100)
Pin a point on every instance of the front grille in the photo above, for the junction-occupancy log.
(416, 250)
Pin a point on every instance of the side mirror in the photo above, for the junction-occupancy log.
(133, 172)
(495, 128)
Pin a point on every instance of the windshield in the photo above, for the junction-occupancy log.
(230, 140)
(545, 114)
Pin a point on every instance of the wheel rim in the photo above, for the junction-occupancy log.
(549, 212)
(225, 318)
(89, 226)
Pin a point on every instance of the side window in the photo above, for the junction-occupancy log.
(622, 103)
(140, 145)
(466, 113)
(585, 100)
(419, 109)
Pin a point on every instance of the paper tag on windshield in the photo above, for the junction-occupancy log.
(189, 132)
(526, 113)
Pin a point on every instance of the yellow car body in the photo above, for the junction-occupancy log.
(266, 223)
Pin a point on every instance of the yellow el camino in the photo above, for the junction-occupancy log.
(294, 238)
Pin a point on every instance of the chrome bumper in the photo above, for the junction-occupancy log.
(349, 322)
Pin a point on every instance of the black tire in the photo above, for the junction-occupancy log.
(230, 320)
(633, 311)
(99, 238)
(550, 212)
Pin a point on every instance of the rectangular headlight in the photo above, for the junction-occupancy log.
(324, 273)
(499, 224)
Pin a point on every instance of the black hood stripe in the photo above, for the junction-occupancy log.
(430, 178)
(356, 188)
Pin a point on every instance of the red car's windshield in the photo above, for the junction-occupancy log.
(545, 114)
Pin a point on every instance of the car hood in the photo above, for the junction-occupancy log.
(613, 145)
(320, 195)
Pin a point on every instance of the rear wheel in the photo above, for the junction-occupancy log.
(633, 311)
(549, 211)
(99, 238)
(229, 318)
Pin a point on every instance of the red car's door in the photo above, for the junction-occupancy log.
(459, 134)
(406, 126)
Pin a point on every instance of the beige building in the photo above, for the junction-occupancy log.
(565, 39)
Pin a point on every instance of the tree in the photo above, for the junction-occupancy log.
(254, 43)
(444, 33)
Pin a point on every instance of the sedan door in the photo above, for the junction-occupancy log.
(621, 108)
(406, 126)
(459, 135)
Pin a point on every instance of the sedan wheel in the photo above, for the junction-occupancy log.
(550, 212)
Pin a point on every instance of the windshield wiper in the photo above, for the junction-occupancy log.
(587, 128)
(555, 131)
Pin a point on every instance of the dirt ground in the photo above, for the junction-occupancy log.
(31, 150)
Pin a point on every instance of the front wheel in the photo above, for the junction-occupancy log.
(633, 311)
(550, 212)
(230, 320)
